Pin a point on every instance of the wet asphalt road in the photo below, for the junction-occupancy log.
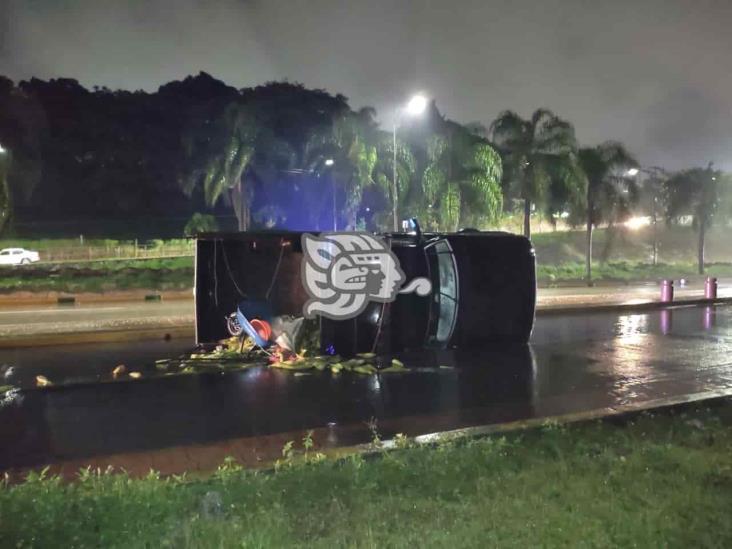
(619, 294)
(575, 363)
(54, 319)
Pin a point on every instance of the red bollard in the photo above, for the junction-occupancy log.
(710, 288)
(667, 291)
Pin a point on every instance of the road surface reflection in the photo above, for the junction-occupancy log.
(575, 363)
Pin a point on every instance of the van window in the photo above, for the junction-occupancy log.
(445, 292)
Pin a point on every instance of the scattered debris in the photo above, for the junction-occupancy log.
(241, 352)
(8, 372)
(42, 381)
(9, 396)
(396, 366)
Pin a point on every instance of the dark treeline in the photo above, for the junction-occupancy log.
(133, 163)
(200, 155)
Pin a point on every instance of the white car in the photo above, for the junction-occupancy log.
(17, 256)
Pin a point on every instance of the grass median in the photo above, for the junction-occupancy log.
(100, 276)
(625, 271)
(655, 480)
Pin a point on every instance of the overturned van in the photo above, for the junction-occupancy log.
(482, 291)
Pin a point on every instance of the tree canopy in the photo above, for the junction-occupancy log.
(699, 193)
(533, 150)
(283, 155)
(255, 155)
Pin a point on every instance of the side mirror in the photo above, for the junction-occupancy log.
(411, 226)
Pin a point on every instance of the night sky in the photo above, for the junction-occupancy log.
(655, 74)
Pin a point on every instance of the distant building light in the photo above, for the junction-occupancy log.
(632, 172)
(635, 223)
(329, 162)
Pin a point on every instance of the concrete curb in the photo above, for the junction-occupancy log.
(105, 336)
(551, 310)
(574, 417)
(19, 299)
(371, 449)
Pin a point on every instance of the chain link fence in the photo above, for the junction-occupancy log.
(112, 250)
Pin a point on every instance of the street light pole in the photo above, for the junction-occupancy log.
(335, 218)
(330, 162)
(653, 175)
(416, 106)
(394, 188)
(655, 233)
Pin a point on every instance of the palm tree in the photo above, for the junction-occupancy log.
(696, 192)
(610, 191)
(346, 152)
(567, 190)
(461, 181)
(218, 150)
(528, 148)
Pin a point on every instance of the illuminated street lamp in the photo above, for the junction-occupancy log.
(415, 107)
(330, 163)
(653, 176)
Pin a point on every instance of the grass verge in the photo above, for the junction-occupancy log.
(154, 274)
(625, 271)
(657, 480)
